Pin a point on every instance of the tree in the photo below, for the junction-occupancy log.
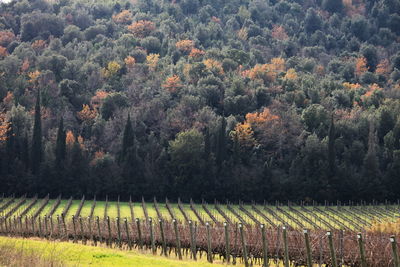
(220, 150)
(141, 28)
(331, 149)
(334, 6)
(128, 139)
(60, 144)
(312, 21)
(37, 150)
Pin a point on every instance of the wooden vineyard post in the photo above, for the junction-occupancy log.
(285, 242)
(192, 242)
(227, 243)
(51, 226)
(46, 226)
(394, 251)
(332, 249)
(362, 250)
(164, 245)
(65, 226)
(244, 247)
(265, 246)
(153, 242)
(74, 225)
(308, 248)
(209, 250)
(99, 229)
(140, 242)
(119, 232)
(20, 225)
(90, 228)
(127, 233)
(178, 241)
(58, 226)
(109, 231)
(83, 238)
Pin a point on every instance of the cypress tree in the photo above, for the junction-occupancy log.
(128, 139)
(36, 152)
(60, 144)
(331, 148)
(25, 151)
(221, 143)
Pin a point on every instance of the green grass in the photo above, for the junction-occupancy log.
(70, 254)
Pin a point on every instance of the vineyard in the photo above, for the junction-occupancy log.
(250, 233)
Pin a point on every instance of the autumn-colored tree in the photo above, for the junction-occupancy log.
(87, 114)
(214, 65)
(152, 61)
(196, 53)
(8, 99)
(242, 34)
(4, 126)
(244, 134)
(3, 52)
(351, 86)
(172, 84)
(185, 46)
(279, 33)
(383, 68)
(320, 70)
(361, 66)
(371, 90)
(354, 7)
(6, 37)
(112, 69)
(129, 62)
(291, 75)
(33, 76)
(141, 28)
(266, 72)
(124, 17)
(39, 45)
(98, 98)
(25, 66)
(258, 118)
(69, 138)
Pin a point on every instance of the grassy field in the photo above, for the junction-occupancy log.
(331, 217)
(47, 253)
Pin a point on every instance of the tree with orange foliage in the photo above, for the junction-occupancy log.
(87, 114)
(129, 62)
(361, 66)
(257, 118)
(124, 17)
(4, 126)
(6, 37)
(266, 72)
(244, 134)
(354, 7)
(185, 46)
(141, 28)
(383, 68)
(98, 98)
(291, 75)
(69, 138)
(39, 45)
(33, 76)
(279, 33)
(25, 66)
(3, 52)
(214, 65)
(196, 53)
(172, 84)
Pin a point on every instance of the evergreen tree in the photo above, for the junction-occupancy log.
(333, 5)
(331, 149)
(36, 151)
(221, 143)
(128, 139)
(60, 144)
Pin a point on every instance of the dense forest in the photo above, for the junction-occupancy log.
(203, 99)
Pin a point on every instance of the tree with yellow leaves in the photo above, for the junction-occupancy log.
(185, 46)
(172, 84)
(152, 61)
(242, 34)
(214, 65)
(33, 76)
(87, 114)
(141, 28)
(291, 75)
(112, 69)
(244, 134)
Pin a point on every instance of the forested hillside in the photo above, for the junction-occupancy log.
(225, 99)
